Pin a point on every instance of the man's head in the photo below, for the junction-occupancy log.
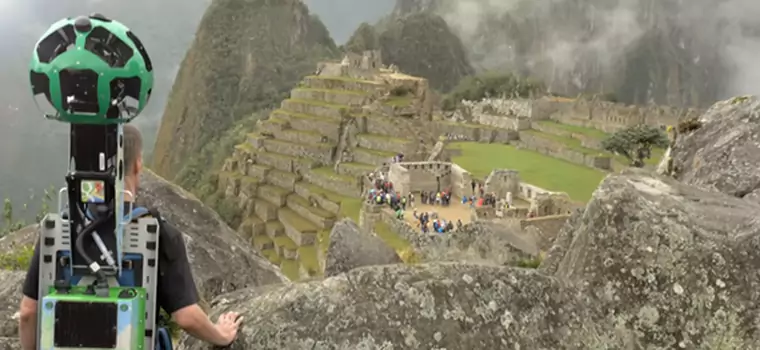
(133, 146)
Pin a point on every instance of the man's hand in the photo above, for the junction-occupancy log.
(227, 325)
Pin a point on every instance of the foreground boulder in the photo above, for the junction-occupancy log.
(430, 306)
(677, 265)
(350, 247)
(222, 261)
(723, 152)
(11, 283)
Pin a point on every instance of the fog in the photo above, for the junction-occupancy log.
(573, 32)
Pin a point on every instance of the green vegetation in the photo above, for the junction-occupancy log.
(550, 173)
(364, 38)
(291, 269)
(636, 143)
(590, 132)
(491, 84)
(531, 263)
(570, 142)
(18, 259)
(10, 221)
(398, 243)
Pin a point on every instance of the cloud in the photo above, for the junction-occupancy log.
(584, 39)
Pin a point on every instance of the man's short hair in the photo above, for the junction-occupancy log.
(132, 147)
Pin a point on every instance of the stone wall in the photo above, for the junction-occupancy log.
(475, 132)
(556, 149)
(603, 115)
(503, 122)
(420, 176)
(608, 116)
(502, 181)
(500, 106)
(460, 181)
(547, 228)
(529, 192)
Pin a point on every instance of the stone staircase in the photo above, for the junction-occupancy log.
(285, 176)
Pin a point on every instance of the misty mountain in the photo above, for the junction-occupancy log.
(668, 52)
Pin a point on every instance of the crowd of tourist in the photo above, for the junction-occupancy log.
(383, 194)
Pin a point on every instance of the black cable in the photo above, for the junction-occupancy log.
(87, 231)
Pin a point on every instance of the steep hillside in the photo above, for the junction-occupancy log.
(664, 52)
(421, 44)
(245, 57)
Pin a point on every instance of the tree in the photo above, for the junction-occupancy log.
(636, 142)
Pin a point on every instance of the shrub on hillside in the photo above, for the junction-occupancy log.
(475, 88)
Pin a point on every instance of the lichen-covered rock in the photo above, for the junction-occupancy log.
(724, 153)
(222, 261)
(429, 306)
(10, 297)
(350, 247)
(678, 266)
(10, 344)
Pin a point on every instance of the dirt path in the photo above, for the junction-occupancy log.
(455, 211)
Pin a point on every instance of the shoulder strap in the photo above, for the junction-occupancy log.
(139, 212)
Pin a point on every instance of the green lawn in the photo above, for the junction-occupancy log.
(537, 169)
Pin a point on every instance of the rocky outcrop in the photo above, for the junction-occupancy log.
(10, 294)
(222, 261)
(724, 153)
(435, 306)
(351, 247)
(268, 46)
(677, 264)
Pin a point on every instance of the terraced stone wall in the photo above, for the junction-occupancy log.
(503, 122)
(475, 132)
(552, 148)
(608, 116)
(602, 115)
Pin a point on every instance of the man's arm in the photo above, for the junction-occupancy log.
(177, 293)
(27, 327)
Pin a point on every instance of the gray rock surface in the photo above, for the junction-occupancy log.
(10, 344)
(677, 266)
(723, 154)
(10, 294)
(222, 261)
(429, 306)
(350, 247)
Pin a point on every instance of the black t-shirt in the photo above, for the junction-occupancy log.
(176, 288)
